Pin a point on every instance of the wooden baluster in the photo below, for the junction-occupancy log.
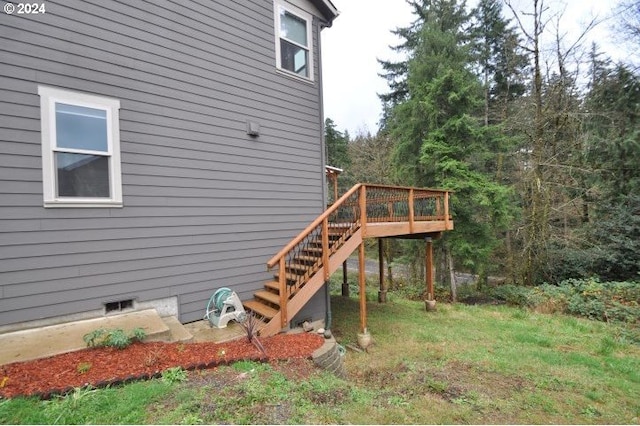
(282, 280)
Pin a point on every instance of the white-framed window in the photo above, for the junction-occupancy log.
(294, 40)
(80, 149)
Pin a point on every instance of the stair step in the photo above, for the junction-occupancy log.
(289, 276)
(295, 266)
(307, 259)
(260, 309)
(268, 296)
(318, 241)
(337, 230)
(273, 285)
(317, 250)
(179, 332)
(344, 225)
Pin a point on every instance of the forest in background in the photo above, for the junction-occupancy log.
(541, 145)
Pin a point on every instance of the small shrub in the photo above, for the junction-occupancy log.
(512, 295)
(138, 334)
(174, 375)
(590, 298)
(83, 367)
(152, 358)
(93, 338)
(251, 326)
(116, 338)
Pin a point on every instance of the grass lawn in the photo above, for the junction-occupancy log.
(459, 364)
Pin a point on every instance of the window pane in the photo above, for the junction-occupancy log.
(81, 175)
(294, 58)
(293, 28)
(81, 127)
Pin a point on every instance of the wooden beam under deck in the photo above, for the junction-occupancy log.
(397, 229)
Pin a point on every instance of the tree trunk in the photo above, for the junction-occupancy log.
(442, 270)
(388, 257)
(537, 215)
(452, 275)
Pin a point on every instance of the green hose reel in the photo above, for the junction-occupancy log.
(224, 306)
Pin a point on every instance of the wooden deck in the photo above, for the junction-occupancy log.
(365, 211)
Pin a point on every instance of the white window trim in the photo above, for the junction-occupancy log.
(308, 18)
(48, 97)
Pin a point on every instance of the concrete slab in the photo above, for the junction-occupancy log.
(202, 331)
(42, 342)
(25, 345)
(179, 333)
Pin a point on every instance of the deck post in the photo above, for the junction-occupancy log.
(382, 293)
(283, 292)
(345, 282)
(446, 210)
(411, 212)
(363, 209)
(363, 290)
(428, 273)
(364, 338)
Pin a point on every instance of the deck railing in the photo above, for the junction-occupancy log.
(307, 253)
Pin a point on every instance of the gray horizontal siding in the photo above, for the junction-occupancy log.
(205, 205)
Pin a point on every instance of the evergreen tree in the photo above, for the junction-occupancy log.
(500, 61)
(396, 72)
(614, 152)
(441, 141)
(449, 14)
(627, 27)
(337, 144)
(337, 155)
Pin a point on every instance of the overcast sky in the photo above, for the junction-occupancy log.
(361, 34)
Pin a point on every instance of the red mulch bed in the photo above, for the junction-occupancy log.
(99, 367)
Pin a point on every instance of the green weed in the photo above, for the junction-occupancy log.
(83, 367)
(174, 375)
(117, 338)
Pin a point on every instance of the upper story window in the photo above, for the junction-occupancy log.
(293, 40)
(80, 149)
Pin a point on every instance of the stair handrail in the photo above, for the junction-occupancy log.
(301, 236)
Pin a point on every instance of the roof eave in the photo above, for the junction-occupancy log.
(328, 10)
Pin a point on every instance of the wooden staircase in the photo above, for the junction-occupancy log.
(302, 267)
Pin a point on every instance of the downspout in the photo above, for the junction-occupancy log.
(323, 24)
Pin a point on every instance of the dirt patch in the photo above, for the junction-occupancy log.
(294, 368)
(100, 367)
(455, 381)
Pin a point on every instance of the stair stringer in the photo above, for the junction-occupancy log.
(315, 283)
